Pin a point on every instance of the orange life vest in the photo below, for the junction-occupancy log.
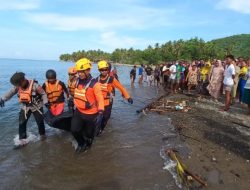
(71, 87)
(107, 90)
(25, 95)
(83, 100)
(53, 91)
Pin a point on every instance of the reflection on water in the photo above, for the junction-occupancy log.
(126, 156)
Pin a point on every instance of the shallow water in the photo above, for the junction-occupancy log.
(128, 155)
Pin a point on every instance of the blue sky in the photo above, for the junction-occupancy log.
(44, 29)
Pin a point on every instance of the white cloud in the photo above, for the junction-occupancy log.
(133, 17)
(242, 6)
(66, 23)
(19, 4)
(111, 40)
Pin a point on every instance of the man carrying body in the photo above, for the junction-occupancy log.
(31, 97)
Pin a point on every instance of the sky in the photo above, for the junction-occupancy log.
(44, 29)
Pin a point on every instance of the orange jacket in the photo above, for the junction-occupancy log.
(55, 92)
(71, 86)
(108, 84)
(88, 97)
(25, 95)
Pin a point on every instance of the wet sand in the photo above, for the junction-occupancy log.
(219, 142)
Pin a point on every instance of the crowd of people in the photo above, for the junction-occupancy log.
(208, 78)
(89, 99)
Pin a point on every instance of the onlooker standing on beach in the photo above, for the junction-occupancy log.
(150, 77)
(236, 81)
(246, 96)
(215, 79)
(172, 70)
(140, 74)
(228, 81)
(242, 80)
(200, 65)
(161, 74)
(182, 77)
(192, 77)
(204, 74)
(248, 63)
(165, 75)
(178, 76)
(157, 73)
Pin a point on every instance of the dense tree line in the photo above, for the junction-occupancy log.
(193, 49)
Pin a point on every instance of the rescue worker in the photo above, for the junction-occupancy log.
(55, 90)
(71, 86)
(72, 80)
(89, 105)
(31, 97)
(108, 84)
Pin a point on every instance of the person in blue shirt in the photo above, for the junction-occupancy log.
(140, 74)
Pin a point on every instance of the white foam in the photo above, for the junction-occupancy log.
(30, 138)
(170, 166)
(74, 143)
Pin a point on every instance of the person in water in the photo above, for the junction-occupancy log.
(108, 84)
(114, 73)
(133, 75)
(72, 81)
(31, 96)
(89, 103)
(55, 90)
(140, 74)
(71, 86)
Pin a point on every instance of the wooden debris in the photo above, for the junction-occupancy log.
(150, 105)
(190, 137)
(165, 105)
(241, 124)
(162, 105)
(184, 174)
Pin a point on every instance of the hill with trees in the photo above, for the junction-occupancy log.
(192, 49)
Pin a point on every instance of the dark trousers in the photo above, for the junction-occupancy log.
(23, 122)
(106, 115)
(165, 81)
(83, 128)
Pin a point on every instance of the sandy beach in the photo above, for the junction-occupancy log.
(218, 142)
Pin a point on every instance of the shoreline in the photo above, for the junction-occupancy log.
(219, 142)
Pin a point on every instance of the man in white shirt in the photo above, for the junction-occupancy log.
(228, 81)
(172, 77)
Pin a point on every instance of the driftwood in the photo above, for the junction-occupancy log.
(150, 105)
(182, 171)
(241, 124)
(158, 110)
(166, 107)
(190, 137)
(163, 105)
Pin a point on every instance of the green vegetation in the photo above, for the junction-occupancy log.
(193, 49)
